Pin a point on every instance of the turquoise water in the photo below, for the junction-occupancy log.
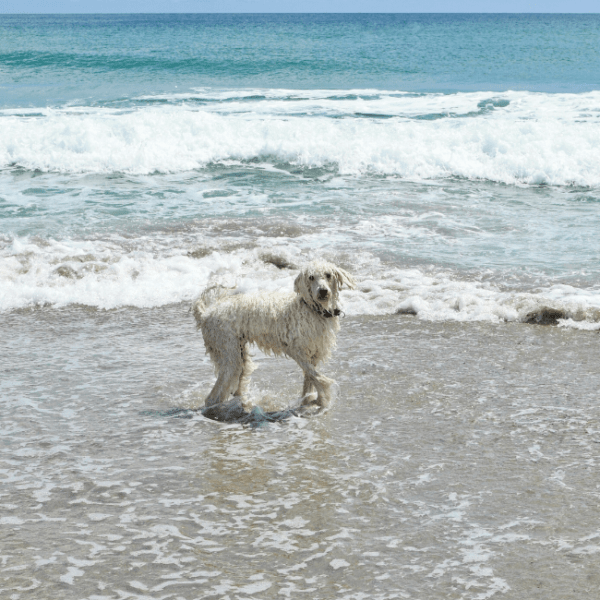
(92, 59)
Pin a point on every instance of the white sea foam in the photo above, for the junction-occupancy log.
(514, 138)
(518, 105)
(108, 274)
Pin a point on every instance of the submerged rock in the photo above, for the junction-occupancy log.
(545, 316)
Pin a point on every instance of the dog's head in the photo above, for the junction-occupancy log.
(319, 284)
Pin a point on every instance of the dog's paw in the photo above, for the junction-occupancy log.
(310, 400)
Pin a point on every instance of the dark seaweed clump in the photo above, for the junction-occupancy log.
(234, 412)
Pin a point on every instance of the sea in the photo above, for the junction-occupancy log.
(450, 162)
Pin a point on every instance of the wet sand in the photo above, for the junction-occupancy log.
(459, 461)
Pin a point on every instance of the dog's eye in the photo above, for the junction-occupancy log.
(312, 277)
(328, 275)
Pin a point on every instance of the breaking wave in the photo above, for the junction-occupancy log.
(511, 138)
(108, 274)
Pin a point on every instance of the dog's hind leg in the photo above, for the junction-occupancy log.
(229, 363)
(247, 369)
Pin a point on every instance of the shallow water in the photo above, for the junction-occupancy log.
(459, 461)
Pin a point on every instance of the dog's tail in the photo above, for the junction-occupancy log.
(208, 297)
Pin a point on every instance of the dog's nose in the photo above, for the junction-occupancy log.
(322, 293)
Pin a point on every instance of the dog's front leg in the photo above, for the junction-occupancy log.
(308, 387)
(307, 391)
(313, 380)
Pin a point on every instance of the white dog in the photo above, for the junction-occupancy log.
(301, 325)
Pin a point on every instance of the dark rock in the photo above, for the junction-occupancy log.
(545, 316)
(281, 262)
(407, 311)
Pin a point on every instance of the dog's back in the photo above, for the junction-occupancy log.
(208, 297)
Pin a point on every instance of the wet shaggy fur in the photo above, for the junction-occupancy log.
(301, 325)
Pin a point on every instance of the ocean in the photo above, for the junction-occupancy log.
(451, 163)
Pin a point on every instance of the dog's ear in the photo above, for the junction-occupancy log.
(344, 278)
(300, 284)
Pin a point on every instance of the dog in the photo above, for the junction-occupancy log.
(300, 325)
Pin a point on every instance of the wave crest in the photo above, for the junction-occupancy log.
(112, 274)
(504, 147)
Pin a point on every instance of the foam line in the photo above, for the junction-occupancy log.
(108, 275)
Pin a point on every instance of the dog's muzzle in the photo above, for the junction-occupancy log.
(323, 293)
